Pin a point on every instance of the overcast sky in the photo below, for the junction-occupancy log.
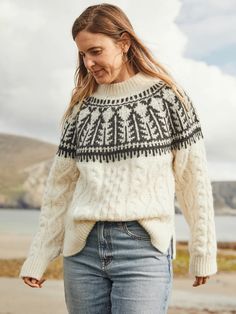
(194, 39)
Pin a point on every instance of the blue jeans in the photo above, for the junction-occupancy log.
(118, 271)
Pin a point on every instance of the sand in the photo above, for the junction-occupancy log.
(14, 245)
(217, 296)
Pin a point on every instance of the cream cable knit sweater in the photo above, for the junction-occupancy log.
(124, 156)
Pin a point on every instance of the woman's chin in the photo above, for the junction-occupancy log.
(101, 80)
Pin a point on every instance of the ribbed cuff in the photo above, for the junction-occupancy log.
(203, 265)
(34, 267)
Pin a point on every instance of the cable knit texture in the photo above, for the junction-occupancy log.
(124, 156)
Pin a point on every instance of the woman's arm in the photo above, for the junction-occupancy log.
(193, 186)
(194, 194)
(63, 175)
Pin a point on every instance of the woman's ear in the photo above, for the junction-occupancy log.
(125, 41)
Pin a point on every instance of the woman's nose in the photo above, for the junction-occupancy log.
(89, 63)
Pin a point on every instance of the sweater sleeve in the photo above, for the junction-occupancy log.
(193, 186)
(60, 185)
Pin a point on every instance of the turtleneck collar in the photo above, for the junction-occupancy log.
(133, 84)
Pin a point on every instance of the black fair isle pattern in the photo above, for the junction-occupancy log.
(67, 145)
(149, 123)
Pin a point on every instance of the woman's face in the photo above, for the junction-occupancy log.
(102, 57)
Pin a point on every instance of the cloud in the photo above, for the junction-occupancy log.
(208, 24)
(38, 60)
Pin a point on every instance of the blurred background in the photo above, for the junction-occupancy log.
(195, 40)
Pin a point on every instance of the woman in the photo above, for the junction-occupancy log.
(131, 139)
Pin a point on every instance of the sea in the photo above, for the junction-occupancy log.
(25, 222)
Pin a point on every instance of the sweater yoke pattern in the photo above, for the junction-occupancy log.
(151, 122)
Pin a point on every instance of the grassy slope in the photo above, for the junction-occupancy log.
(226, 259)
(17, 153)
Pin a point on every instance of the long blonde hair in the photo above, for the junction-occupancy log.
(111, 21)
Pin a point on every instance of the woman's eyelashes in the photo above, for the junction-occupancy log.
(94, 53)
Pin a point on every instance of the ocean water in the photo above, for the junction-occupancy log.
(25, 222)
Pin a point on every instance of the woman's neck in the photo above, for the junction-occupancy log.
(134, 84)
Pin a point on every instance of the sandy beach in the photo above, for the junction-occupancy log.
(217, 296)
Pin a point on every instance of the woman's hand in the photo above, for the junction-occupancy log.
(200, 281)
(32, 282)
